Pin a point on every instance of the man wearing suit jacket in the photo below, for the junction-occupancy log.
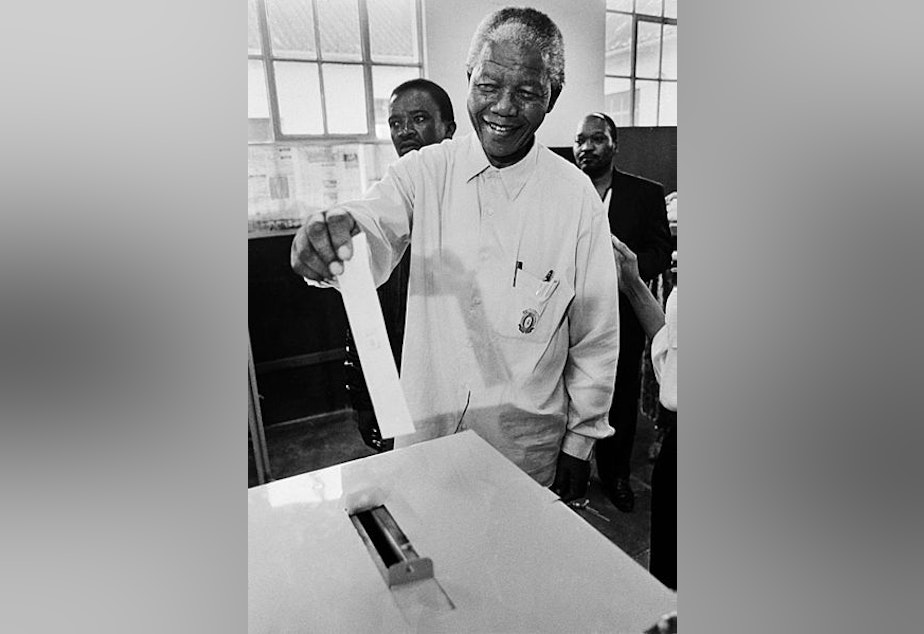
(638, 217)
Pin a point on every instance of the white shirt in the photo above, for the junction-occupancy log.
(489, 344)
(664, 354)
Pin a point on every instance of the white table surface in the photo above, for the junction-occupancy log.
(509, 555)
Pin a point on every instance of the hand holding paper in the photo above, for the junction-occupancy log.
(323, 244)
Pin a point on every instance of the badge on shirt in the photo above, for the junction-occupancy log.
(528, 321)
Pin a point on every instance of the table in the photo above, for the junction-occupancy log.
(509, 555)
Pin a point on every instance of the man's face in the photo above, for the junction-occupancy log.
(594, 147)
(414, 121)
(508, 97)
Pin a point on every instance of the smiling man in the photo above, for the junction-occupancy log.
(512, 316)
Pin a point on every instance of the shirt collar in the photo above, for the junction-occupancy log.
(514, 177)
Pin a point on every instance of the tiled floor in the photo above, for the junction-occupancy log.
(331, 439)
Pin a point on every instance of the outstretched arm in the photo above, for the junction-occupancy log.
(646, 307)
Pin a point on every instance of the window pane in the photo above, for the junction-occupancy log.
(648, 50)
(258, 117)
(646, 103)
(384, 80)
(346, 99)
(618, 44)
(618, 100)
(291, 27)
(619, 5)
(648, 7)
(669, 61)
(257, 103)
(253, 28)
(667, 111)
(299, 95)
(670, 9)
(393, 30)
(339, 26)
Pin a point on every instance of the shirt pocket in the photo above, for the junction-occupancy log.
(533, 309)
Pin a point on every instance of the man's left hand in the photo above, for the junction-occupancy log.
(571, 477)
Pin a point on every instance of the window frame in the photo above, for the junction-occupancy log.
(268, 59)
(633, 91)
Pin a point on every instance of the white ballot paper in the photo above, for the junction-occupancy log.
(365, 316)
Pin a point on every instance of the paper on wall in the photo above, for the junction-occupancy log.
(365, 316)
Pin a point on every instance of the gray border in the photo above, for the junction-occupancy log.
(124, 268)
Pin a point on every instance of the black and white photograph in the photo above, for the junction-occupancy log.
(462, 316)
(455, 282)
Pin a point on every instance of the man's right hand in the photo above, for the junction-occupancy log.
(322, 244)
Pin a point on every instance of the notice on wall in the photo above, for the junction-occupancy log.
(288, 182)
(271, 192)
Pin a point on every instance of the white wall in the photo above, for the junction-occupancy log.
(448, 29)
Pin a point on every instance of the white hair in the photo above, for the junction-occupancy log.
(525, 27)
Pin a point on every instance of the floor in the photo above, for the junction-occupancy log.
(322, 441)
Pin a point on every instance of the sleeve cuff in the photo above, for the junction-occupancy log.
(577, 446)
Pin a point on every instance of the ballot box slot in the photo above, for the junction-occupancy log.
(389, 547)
(417, 593)
(385, 543)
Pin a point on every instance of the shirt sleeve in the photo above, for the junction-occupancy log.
(385, 214)
(590, 370)
(664, 355)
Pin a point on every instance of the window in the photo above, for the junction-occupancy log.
(640, 84)
(324, 69)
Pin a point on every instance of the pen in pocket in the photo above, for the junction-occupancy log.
(546, 289)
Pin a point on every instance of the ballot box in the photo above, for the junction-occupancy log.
(485, 549)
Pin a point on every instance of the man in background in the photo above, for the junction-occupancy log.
(512, 297)
(638, 217)
(419, 114)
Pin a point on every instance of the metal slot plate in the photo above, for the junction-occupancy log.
(390, 548)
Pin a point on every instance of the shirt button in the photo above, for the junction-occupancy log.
(489, 211)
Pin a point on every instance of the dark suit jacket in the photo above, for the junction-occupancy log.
(638, 217)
